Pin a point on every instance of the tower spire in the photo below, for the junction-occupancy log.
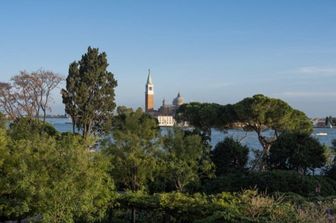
(149, 78)
(149, 106)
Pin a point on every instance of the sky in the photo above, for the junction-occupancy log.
(211, 51)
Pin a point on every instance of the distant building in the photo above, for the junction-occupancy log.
(165, 114)
(149, 96)
(321, 123)
(166, 120)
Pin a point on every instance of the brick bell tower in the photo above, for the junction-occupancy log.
(149, 106)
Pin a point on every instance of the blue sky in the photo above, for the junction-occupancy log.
(211, 51)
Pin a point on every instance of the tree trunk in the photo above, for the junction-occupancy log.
(44, 116)
(133, 214)
(266, 154)
(73, 126)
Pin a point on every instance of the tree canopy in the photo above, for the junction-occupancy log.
(89, 96)
(28, 93)
(260, 113)
(297, 151)
(268, 117)
(51, 179)
(185, 158)
(229, 155)
(205, 116)
(134, 149)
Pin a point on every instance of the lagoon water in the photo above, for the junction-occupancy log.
(250, 138)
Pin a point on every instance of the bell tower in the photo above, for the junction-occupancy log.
(149, 97)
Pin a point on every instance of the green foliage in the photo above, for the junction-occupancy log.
(260, 113)
(297, 151)
(272, 181)
(2, 121)
(56, 180)
(299, 123)
(89, 95)
(134, 149)
(179, 207)
(205, 116)
(185, 159)
(248, 206)
(26, 128)
(229, 154)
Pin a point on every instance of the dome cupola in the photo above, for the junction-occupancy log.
(179, 100)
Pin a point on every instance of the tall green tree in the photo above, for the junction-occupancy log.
(185, 159)
(134, 149)
(89, 96)
(297, 151)
(260, 113)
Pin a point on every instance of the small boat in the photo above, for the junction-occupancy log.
(321, 134)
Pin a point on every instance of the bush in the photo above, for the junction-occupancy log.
(297, 151)
(26, 128)
(229, 154)
(248, 206)
(272, 181)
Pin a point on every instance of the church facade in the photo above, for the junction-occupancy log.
(166, 112)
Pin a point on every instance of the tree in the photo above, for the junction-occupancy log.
(229, 155)
(52, 180)
(185, 158)
(268, 117)
(89, 95)
(134, 149)
(26, 128)
(16, 98)
(28, 93)
(331, 171)
(44, 82)
(205, 116)
(297, 151)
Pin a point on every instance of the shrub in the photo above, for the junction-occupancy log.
(272, 181)
(229, 154)
(26, 128)
(297, 151)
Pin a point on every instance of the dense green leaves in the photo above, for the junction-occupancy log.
(134, 149)
(297, 151)
(89, 95)
(229, 155)
(271, 182)
(205, 116)
(185, 159)
(54, 179)
(268, 117)
(248, 206)
(27, 128)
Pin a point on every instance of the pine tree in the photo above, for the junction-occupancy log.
(89, 96)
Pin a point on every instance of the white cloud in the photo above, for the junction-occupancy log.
(312, 70)
(294, 94)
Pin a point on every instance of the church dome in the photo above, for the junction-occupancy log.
(179, 100)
